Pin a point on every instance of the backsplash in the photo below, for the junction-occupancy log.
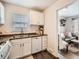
(30, 29)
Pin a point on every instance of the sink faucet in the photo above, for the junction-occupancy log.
(21, 30)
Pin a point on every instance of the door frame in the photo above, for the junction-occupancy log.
(57, 21)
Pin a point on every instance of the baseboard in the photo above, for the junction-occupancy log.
(24, 56)
(52, 52)
(37, 52)
(49, 51)
(31, 54)
(54, 57)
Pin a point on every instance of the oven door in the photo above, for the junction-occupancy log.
(5, 50)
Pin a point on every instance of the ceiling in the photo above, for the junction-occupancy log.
(71, 10)
(35, 4)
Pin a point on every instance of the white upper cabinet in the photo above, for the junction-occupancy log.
(1, 14)
(36, 18)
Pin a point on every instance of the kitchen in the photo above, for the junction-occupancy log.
(23, 29)
(27, 30)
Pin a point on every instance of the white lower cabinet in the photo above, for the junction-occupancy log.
(20, 48)
(36, 44)
(27, 46)
(44, 42)
(16, 51)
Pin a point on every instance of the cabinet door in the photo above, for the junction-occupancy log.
(39, 46)
(36, 18)
(33, 17)
(16, 51)
(36, 44)
(1, 13)
(41, 19)
(44, 42)
(0, 55)
(27, 47)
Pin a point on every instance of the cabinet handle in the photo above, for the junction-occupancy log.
(36, 38)
(1, 56)
(23, 44)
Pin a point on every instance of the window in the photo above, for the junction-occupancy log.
(19, 22)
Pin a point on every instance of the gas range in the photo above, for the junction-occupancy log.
(4, 49)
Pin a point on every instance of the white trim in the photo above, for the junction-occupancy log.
(52, 52)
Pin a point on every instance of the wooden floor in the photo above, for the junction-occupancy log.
(47, 55)
(41, 55)
(44, 55)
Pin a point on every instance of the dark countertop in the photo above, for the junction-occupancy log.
(30, 36)
(4, 37)
(8, 35)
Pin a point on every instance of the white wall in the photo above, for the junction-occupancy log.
(51, 24)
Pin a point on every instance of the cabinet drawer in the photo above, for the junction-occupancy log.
(44, 40)
(27, 40)
(45, 45)
(16, 41)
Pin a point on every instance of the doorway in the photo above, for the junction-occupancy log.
(68, 31)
